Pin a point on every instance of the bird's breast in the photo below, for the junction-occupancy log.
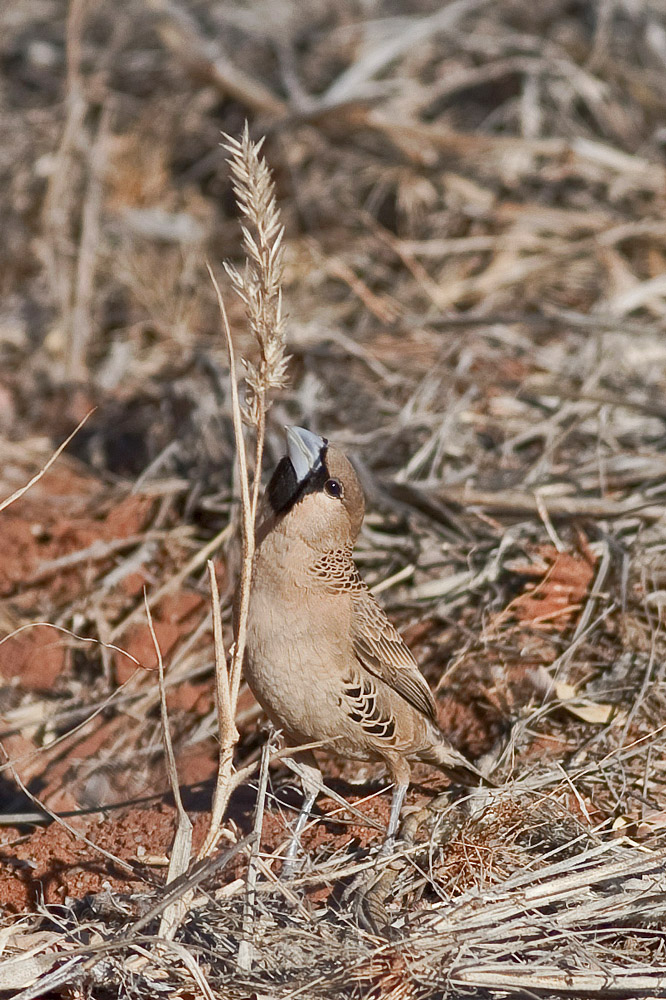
(298, 646)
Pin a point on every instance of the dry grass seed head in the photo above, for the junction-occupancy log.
(259, 283)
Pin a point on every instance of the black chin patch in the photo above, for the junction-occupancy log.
(284, 490)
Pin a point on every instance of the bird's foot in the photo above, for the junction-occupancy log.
(367, 896)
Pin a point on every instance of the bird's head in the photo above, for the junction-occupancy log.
(315, 492)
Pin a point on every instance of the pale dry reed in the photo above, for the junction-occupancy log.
(258, 285)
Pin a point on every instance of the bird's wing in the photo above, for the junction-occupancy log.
(382, 651)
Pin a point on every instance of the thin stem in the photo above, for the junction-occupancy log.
(17, 494)
(258, 455)
(225, 723)
(247, 522)
(182, 844)
(245, 948)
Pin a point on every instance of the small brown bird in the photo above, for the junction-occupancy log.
(322, 658)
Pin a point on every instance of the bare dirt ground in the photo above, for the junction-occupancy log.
(474, 201)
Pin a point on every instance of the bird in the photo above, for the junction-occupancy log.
(322, 658)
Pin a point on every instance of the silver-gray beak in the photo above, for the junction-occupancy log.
(304, 450)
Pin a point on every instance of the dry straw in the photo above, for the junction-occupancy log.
(259, 287)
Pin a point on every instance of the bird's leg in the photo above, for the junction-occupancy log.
(399, 792)
(369, 894)
(310, 776)
(295, 842)
(400, 773)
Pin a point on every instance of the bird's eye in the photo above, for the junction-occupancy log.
(334, 488)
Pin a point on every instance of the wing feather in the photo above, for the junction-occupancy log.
(382, 651)
(378, 646)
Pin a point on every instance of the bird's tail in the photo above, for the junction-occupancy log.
(441, 754)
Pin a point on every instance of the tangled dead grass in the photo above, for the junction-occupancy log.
(474, 248)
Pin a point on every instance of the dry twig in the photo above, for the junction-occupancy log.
(17, 494)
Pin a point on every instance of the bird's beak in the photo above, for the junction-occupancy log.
(305, 451)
